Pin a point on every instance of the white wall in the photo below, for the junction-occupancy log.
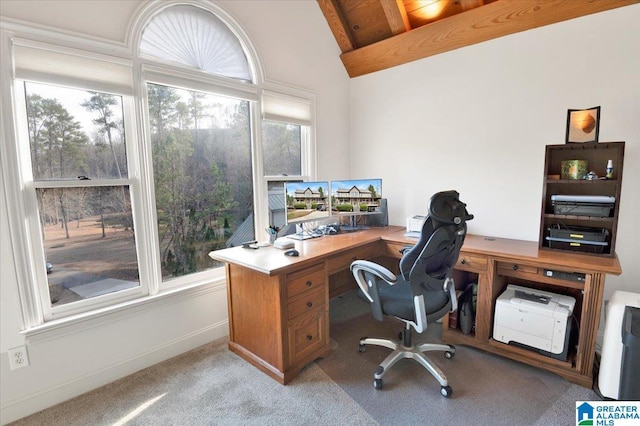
(296, 48)
(477, 120)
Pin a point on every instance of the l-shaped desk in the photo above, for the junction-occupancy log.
(279, 305)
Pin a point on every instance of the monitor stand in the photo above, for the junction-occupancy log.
(353, 225)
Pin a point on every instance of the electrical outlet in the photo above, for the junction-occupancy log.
(18, 357)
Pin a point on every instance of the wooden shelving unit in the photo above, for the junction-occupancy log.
(597, 155)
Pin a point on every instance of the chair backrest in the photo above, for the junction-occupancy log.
(428, 264)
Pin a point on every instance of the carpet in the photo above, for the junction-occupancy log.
(209, 385)
(487, 389)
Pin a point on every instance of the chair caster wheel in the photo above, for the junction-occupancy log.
(377, 384)
(449, 354)
(362, 348)
(446, 391)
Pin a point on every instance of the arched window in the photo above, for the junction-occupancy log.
(194, 37)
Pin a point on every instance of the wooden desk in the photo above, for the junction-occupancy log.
(279, 305)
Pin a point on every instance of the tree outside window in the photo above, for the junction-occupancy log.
(201, 150)
(79, 168)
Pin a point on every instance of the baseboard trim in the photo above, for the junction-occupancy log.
(25, 406)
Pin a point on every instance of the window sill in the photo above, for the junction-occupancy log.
(59, 328)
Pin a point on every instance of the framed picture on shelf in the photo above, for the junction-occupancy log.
(583, 125)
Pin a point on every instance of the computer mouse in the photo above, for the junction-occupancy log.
(292, 252)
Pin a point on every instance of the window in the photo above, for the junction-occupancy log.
(281, 148)
(201, 148)
(80, 173)
(130, 170)
(286, 148)
(196, 38)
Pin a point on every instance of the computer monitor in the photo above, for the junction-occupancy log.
(356, 196)
(307, 201)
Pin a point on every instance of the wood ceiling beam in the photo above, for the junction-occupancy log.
(480, 24)
(396, 15)
(470, 4)
(337, 24)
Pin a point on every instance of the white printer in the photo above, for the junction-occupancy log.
(414, 225)
(535, 319)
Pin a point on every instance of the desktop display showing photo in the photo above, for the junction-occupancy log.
(356, 196)
(307, 201)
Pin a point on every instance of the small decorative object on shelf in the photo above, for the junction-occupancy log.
(583, 125)
(573, 169)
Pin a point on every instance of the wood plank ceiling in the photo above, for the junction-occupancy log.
(378, 34)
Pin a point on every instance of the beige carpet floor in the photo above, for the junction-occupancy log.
(212, 386)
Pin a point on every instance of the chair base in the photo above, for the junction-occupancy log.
(404, 349)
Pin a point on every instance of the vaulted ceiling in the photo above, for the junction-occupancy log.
(378, 34)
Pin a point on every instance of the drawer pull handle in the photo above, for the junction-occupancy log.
(309, 337)
(463, 262)
(309, 304)
(309, 283)
(515, 267)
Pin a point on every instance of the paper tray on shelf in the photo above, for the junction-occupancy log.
(597, 247)
(582, 209)
(595, 199)
(579, 233)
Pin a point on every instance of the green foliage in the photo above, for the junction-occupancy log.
(298, 206)
(201, 158)
(363, 207)
(202, 175)
(344, 207)
(373, 192)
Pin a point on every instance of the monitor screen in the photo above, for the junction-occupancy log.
(307, 201)
(356, 196)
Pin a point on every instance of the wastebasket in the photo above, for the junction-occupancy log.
(630, 371)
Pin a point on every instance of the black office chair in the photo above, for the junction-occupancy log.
(423, 292)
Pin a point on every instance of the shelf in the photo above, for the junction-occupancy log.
(597, 155)
(579, 218)
(582, 181)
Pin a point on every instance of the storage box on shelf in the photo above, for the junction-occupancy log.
(583, 208)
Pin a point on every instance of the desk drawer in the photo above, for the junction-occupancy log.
(306, 280)
(343, 261)
(516, 267)
(307, 334)
(392, 249)
(468, 262)
(305, 303)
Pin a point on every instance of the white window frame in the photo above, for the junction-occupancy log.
(308, 149)
(195, 81)
(32, 218)
(20, 189)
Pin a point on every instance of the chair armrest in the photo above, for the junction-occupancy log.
(366, 272)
